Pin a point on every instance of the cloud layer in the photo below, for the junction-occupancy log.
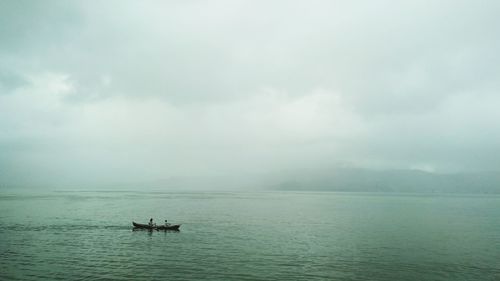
(94, 92)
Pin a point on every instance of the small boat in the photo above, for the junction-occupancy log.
(156, 227)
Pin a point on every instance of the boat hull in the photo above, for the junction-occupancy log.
(174, 227)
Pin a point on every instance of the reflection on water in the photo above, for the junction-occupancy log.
(153, 230)
(249, 236)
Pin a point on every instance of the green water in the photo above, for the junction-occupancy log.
(249, 236)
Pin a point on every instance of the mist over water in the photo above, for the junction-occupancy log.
(286, 106)
(125, 92)
(248, 236)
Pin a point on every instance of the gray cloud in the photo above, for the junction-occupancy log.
(132, 90)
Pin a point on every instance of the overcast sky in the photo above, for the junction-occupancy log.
(116, 91)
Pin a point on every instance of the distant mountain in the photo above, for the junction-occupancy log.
(339, 179)
(335, 179)
(362, 180)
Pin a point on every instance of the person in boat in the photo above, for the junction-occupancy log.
(151, 222)
(166, 223)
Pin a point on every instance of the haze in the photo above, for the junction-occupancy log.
(100, 92)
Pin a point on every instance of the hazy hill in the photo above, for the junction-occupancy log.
(335, 179)
(389, 181)
(338, 179)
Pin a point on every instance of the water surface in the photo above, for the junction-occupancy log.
(249, 236)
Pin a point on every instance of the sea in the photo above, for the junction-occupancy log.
(88, 235)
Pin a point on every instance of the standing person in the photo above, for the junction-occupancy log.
(151, 222)
(166, 224)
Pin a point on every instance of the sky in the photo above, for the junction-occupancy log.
(96, 92)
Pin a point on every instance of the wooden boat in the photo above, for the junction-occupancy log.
(156, 227)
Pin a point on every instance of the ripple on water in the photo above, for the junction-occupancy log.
(249, 237)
